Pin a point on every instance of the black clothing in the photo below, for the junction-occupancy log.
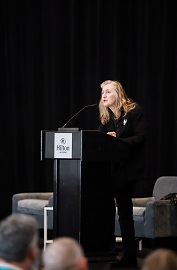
(130, 128)
(125, 212)
(128, 177)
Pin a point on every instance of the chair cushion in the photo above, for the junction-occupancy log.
(141, 202)
(32, 206)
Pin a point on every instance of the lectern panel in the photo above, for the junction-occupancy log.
(83, 201)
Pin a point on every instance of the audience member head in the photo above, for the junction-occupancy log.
(160, 259)
(19, 241)
(65, 253)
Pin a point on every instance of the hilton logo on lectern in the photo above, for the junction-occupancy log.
(63, 145)
(63, 148)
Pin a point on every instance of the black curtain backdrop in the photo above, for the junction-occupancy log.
(55, 54)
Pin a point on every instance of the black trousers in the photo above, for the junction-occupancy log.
(125, 211)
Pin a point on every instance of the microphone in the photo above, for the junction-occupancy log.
(90, 105)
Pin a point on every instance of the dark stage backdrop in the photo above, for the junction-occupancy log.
(55, 54)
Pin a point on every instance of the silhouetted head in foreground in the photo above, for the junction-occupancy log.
(160, 259)
(65, 253)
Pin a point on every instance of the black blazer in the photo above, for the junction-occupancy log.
(133, 172)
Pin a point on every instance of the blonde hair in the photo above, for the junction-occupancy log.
(122, 101)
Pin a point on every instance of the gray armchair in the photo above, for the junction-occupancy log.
(153, 217)
(33, 204)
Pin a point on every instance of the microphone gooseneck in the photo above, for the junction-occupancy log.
(90, 105)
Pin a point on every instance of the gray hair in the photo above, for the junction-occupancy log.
(63, 253)
(18, 233)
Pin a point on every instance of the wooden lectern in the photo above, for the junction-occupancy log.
(83, 199)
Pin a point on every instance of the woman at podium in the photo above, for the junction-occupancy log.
(122, 118)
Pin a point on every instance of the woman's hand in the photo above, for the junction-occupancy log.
(113, 133)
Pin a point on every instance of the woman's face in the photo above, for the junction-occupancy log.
(108, 96)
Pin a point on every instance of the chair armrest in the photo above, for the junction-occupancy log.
(50, 201)
(149, 220)
(50, 213)
(31, 195)
(165, 218)
(161, 219)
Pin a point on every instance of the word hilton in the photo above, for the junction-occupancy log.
(63, 148)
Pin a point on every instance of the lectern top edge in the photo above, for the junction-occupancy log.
(68, 129)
